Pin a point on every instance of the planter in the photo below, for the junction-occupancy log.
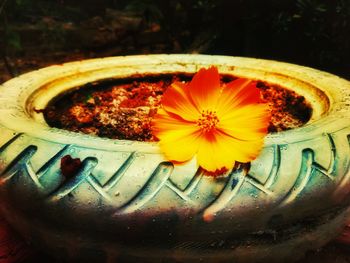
(128, 203)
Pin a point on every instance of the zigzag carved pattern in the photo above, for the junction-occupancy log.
(307, 167)
(160, 178)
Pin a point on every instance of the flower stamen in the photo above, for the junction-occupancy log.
(208, 120)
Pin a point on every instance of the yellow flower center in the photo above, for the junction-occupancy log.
(208, 120)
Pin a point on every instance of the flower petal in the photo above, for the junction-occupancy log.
(204, 88)
(246, 123)
(211, 154)
(178, 138)
(180, 146)
(242, 151)
(222, 151)
(238, 93)
(177, 100)
(166, 122)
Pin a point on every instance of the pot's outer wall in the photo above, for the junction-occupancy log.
(128, 203)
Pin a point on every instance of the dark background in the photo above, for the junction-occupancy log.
(37, 33)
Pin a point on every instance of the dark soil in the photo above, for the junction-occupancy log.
(124, 109)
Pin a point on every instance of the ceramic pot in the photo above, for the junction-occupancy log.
(128, 203)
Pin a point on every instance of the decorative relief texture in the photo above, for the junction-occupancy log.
(50, 182)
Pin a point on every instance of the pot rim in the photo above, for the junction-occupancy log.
(20, 96)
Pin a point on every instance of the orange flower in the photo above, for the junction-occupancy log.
(217, 124)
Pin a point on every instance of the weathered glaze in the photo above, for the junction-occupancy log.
(128, 203)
